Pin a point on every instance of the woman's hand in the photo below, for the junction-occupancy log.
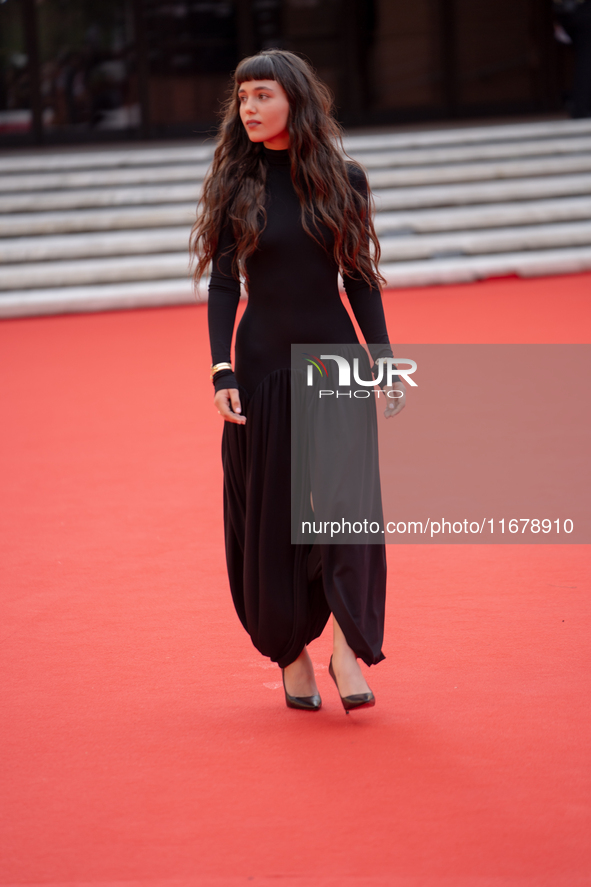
(227, 401)
(397, 403)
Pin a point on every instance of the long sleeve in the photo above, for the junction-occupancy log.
(366, 299)
(224, 295)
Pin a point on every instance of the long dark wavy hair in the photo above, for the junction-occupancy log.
(234, 188)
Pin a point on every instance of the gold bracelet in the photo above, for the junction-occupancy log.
(215, 368)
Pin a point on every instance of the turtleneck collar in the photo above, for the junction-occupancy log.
(276, 158)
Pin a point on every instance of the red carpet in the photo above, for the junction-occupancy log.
(145, 740)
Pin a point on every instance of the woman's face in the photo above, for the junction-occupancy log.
(264, 109)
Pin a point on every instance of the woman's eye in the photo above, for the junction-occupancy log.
(243, 98)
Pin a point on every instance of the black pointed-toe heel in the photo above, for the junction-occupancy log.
(358, 700)
(304, 703)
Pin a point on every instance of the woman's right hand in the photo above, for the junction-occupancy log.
(227, 401)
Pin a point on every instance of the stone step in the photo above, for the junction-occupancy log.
(19, 254)
(453, 270)
(482, 192)
(479, 172)
(99, 297)
(98, 219)
(524, 212)
(114, 269)
(109, 228)
(499, 215)
(472, 153)
(501, 240)
(562, 155)
(38, 160)
(386, 198)
(401, 274)
(98, 197)
(52, 248)
(70, 159)
(468, 135)
(45, 185)
(99, 178)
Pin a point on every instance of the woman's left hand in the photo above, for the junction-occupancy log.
(397, 403)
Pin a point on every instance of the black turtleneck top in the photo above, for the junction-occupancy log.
(293, 293)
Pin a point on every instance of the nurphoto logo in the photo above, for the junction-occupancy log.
(386, 368)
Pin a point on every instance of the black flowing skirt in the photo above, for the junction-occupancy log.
(284, 593)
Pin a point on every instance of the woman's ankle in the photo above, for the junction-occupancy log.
(347, 670)
(301, 661)
(300, 677)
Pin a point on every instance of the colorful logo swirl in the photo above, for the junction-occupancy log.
(315, 361)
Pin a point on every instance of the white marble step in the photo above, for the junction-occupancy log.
(109, 228)
(114, 269)
(472, 135)
(100, 297)
(472, 153)
(99, 178)
(108, 158)
(386, 198)
(97, 245)
(468, 268)
(501, 240)
(40, 160)
(53, 251)
(99, 219)
(524, 212)
(473, 159)
(479, 172)
(493, 215)
(402, 274)
(172, 166)
(175, 264)
(42, 185)
(482, 192)
(98, 197)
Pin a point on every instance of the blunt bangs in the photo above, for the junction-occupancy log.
(257, 67)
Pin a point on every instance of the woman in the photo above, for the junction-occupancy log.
(283, 210)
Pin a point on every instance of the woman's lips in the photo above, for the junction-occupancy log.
(252, 123)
